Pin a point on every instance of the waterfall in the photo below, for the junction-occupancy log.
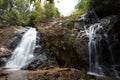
(94, 49)
(23, 53)
(101, 61)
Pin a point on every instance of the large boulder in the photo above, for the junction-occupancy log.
(62, 44)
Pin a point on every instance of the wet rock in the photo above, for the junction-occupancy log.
(39, 62)
(3, 73)
(3, 60)
(111, 26)
(90, 18)
(109, 50)
(36, 65)
(7, 54)
(4, 57)
(39, 49)
(114, 37)
(108, 22)
(12, 43)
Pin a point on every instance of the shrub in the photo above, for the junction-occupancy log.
(81, 8)
(43, 13)
(50, 10)
(38, 13)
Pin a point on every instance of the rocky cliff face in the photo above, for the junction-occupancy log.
(67, 47)
(110, 27)
(114, 36)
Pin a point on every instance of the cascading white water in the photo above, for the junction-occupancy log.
(23, 53)
(93, 48)
(97, 41)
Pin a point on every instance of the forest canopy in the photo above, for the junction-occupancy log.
(18, 12)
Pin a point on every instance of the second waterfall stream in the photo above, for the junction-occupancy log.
(23, 53)
(101, 59)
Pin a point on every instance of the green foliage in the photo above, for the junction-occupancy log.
(38, 13)
(50, 10)
(14, 12)
(17, 12)
(5, 7)
(68, 23)
(21, 11)
(56, 13)
(43, 13)
(49, 50)
(12, 17)
(1, 3)
(81, 8)
(76, 15)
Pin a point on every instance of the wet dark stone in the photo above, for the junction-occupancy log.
(111, 25)
(40, 48)
(3, 60)
(12, 44)
(37, 49)
(3, 73)
(36, 64)
(107, 45)
(7, 54)
(90, 18)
